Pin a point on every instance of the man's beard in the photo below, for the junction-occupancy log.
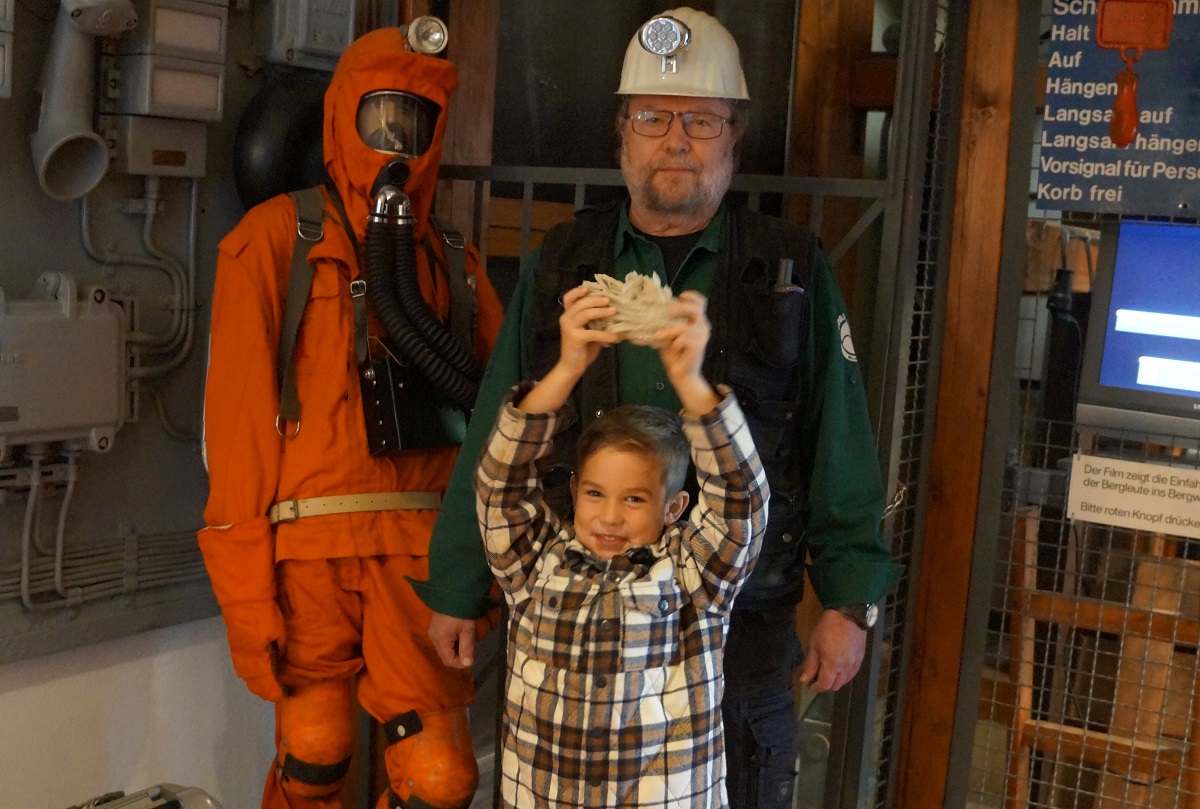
(705, 194)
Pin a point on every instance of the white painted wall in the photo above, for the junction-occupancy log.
(159, 707)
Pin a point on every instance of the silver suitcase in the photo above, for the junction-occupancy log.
(163, 796)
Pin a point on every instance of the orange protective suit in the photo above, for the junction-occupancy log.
(309, 604)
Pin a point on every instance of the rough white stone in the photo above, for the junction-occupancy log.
(641, 302)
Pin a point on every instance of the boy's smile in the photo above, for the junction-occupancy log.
(621, 501)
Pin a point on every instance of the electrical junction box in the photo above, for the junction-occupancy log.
(5, 64)
(309, 33)
(184, 29)
(163, 147)
(167, 87)
(62, 368)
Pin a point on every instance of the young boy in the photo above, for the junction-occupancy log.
(617, 618)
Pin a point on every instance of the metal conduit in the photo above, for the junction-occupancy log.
(118, 567)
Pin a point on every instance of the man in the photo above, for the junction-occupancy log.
(782, 344)
(312, 529)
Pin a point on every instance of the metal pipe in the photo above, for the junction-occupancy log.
(35, 453)
(189, 319)
(72, 454)
(179, 309)
(117, 259)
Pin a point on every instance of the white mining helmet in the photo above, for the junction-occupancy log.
(683, 52)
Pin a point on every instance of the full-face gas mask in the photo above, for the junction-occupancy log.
(397, 123)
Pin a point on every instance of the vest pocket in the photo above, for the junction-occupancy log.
(775, 320)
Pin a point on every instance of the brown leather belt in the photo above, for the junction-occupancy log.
(289, 510)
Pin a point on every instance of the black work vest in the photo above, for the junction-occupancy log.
(761, 347)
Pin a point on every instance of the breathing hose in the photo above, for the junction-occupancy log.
(395, 294)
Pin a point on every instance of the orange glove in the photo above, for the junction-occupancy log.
(240, 560)
(256, 642)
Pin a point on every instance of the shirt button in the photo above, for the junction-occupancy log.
(786, 537)
(599, 413)
(601, 681)
(660, 385)
(553, 601)
(606, 624)
(664, 605)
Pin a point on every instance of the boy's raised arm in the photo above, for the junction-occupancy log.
(579, 348)
(682, 354)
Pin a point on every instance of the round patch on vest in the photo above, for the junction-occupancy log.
(847, 343)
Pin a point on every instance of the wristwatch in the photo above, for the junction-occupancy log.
(865, 615)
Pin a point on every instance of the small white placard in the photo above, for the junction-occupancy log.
(1132, 494)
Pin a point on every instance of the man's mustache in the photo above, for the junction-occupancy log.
(676, 164)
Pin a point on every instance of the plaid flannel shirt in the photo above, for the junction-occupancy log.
(614, 680)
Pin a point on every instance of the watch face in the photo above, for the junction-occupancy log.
(865, 615)
(872, 615)
(397, 123)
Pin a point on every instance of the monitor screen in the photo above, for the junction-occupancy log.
(1141, 366)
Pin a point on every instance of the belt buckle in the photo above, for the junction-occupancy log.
(292, 508)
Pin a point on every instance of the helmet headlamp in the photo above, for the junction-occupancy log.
(665, 36)
(427, 34)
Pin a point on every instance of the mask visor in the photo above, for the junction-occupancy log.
(397, 123)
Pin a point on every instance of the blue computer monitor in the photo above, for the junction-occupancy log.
(1141, 363)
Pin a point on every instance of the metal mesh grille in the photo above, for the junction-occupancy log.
(911, 451)
(1088, 695)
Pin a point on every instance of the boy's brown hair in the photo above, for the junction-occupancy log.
(653, 431)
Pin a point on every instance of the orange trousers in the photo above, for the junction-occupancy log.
(358, 618)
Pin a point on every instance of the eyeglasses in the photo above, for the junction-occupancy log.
(698, 125)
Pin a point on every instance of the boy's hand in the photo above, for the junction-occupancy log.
(580, 346)
(683, 346)
(682, 353)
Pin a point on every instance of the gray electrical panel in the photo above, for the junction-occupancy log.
(310, 33)
(61, 364)
(159, 146)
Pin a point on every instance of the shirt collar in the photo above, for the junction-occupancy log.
(579, 559)
(710, 240)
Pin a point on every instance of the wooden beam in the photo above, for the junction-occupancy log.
(474, 42)
(873, 82)
(827, 132)
(1150, 760)
(962, 397)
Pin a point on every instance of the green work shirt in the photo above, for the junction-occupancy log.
(851, 565)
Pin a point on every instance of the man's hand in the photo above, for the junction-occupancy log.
(835, 652)
(454, 640)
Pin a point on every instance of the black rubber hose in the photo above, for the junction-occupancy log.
(393, 247)
(432, 331)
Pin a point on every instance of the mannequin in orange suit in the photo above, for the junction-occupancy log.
(312, 603)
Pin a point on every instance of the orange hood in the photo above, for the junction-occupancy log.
(378, 61)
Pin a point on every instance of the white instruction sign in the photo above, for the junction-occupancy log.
(1131, 494)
